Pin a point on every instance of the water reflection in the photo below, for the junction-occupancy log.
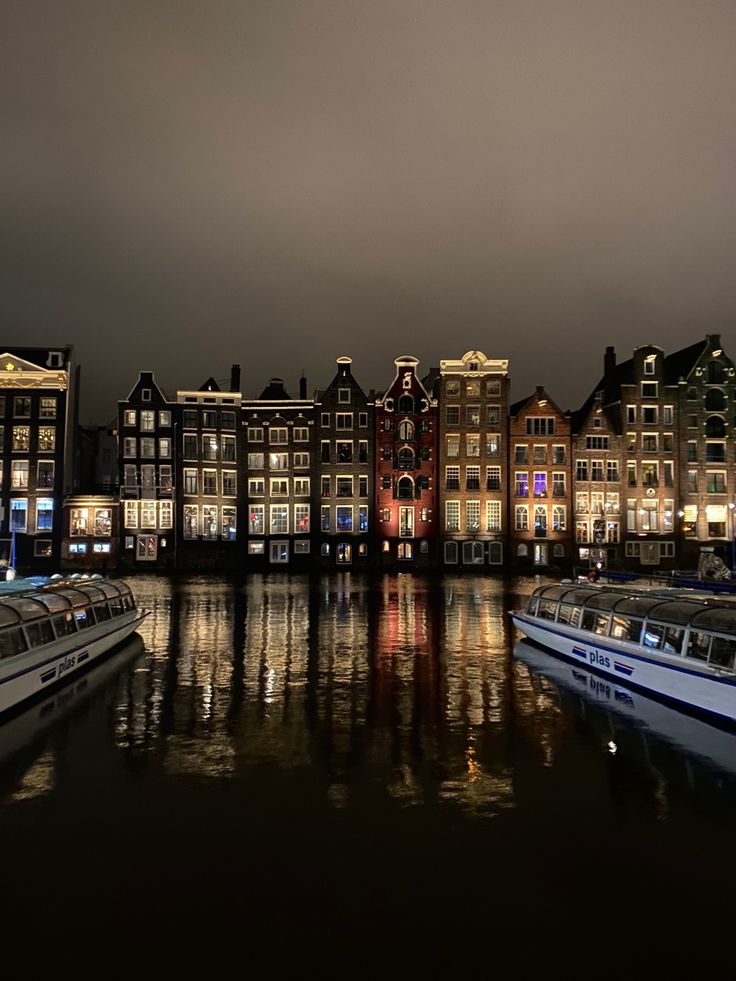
(400, 691)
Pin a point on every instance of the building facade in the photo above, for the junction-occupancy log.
(146, 461)
(406, 431)
(539, 499)
(473, 480)
(210, 474)
(38, 403)
(343, 489)
(280, 448)
(706, 384)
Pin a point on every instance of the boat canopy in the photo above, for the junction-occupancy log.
(707, 614)
(58, 598)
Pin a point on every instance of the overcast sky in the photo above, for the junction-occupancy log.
(186, 185)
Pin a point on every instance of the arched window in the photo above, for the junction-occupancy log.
(522, 551)
(406, 458)
(406, 405)
(559, 551)
(406, 430)
(715, 400)
(714, 374)
(715, 426)
(405, 489)
(540, 521)
(385, 514)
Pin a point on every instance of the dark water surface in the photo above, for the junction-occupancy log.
(337, 774)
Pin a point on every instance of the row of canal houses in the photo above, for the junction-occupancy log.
(438, 470)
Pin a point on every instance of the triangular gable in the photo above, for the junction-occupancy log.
(11, 362)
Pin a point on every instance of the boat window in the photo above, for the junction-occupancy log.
(565, 613)
(716, 618)
(84, 618)
(595, 621)
(532, 608)
(555, 592)
(678, 612)
(128, 602)
(102, 612)
(12, 642)
(575, 616)
(116, 606)
(8, 615)
(75, 597)
(672, 640)
(92, 592)
(637, 605)
(601, 623)
(29, 609)
(722, 651)
(621, 628)
(39, 633)
(55, 602)
(64, 624)
(108, 588)
(698, 645)
(547, 609)
(653, 634)
(579, 595)
(602, 601)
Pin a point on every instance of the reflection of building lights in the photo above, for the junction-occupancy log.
(612, 747)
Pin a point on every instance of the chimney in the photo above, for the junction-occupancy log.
(235, 378)
(609, 362)
(714, 341)
(302, 387)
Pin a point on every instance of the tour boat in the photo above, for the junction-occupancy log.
(628, 718)
(676, 643)
(48, 633)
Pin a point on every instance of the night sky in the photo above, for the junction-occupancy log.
(188, 185)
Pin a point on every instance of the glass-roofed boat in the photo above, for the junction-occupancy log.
(676, 643)
(48, 633)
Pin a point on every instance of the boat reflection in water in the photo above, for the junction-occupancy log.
(24, 732)
(626, 718)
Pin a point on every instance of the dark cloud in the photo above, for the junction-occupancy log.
(186, 185)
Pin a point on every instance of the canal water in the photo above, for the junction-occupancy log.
(337, 774)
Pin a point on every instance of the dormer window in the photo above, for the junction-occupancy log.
(145, 394)
(343, 396)
(649, 364)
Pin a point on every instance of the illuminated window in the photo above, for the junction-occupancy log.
(344, 518)
(164, 419)
(278, 461)
(19, 475)
(493, 516)
(472, 516)
(191, 521)
(493, 444)
(148, 514)
(148, 421)
(21, 438)
(47, 407)
(78, 522)
(165, 514)
(102, 527)
(521, 517)
(148, 447)
(279, 519)
(130, 417)
(301, 519)
(363, 518)
(209, 447)
(279, 552)
(301, 486)
(472, 444)
(131, 514)
(452, 389)
(209, 521)
(44, 514)
(164, 448)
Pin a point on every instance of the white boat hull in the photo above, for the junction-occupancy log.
(25, 675)
(671, 676)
